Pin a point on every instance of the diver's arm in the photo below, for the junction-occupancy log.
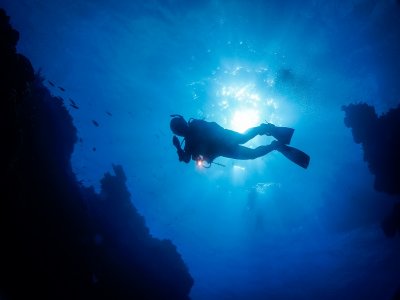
(183, 155)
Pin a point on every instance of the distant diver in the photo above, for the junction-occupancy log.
(205, 141)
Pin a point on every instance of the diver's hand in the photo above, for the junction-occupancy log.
(176, 142)
(181, 154)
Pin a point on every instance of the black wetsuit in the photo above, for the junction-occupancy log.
(210, 140)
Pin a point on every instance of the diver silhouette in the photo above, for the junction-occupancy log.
(205, 141)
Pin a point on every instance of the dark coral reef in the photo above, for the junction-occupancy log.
(380, 140)
(60, 240)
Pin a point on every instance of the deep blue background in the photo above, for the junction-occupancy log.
(250, 230)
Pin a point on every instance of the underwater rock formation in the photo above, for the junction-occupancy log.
(60, 240)
(391, 224)
(380, 140)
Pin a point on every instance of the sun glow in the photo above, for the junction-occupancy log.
(245, 106)
(242, 99)
(244, 119)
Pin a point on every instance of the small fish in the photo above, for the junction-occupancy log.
(74, 106)
(94, 149)
(52, 84)
(72, 102)
(95, 123)
(108, 113)
(80, 140)
(61, 88)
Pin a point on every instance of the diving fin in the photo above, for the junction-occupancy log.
(295, 155)
(282, 134)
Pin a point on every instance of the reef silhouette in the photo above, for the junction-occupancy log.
(380, 140)
(60, 240)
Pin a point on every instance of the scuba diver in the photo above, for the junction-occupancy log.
(205, 141)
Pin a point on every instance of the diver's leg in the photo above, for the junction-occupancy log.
(241, 152)
(241, 138)
(267, 128)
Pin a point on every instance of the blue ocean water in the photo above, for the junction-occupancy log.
(262, 229)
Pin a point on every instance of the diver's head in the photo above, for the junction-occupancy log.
(178, 125)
